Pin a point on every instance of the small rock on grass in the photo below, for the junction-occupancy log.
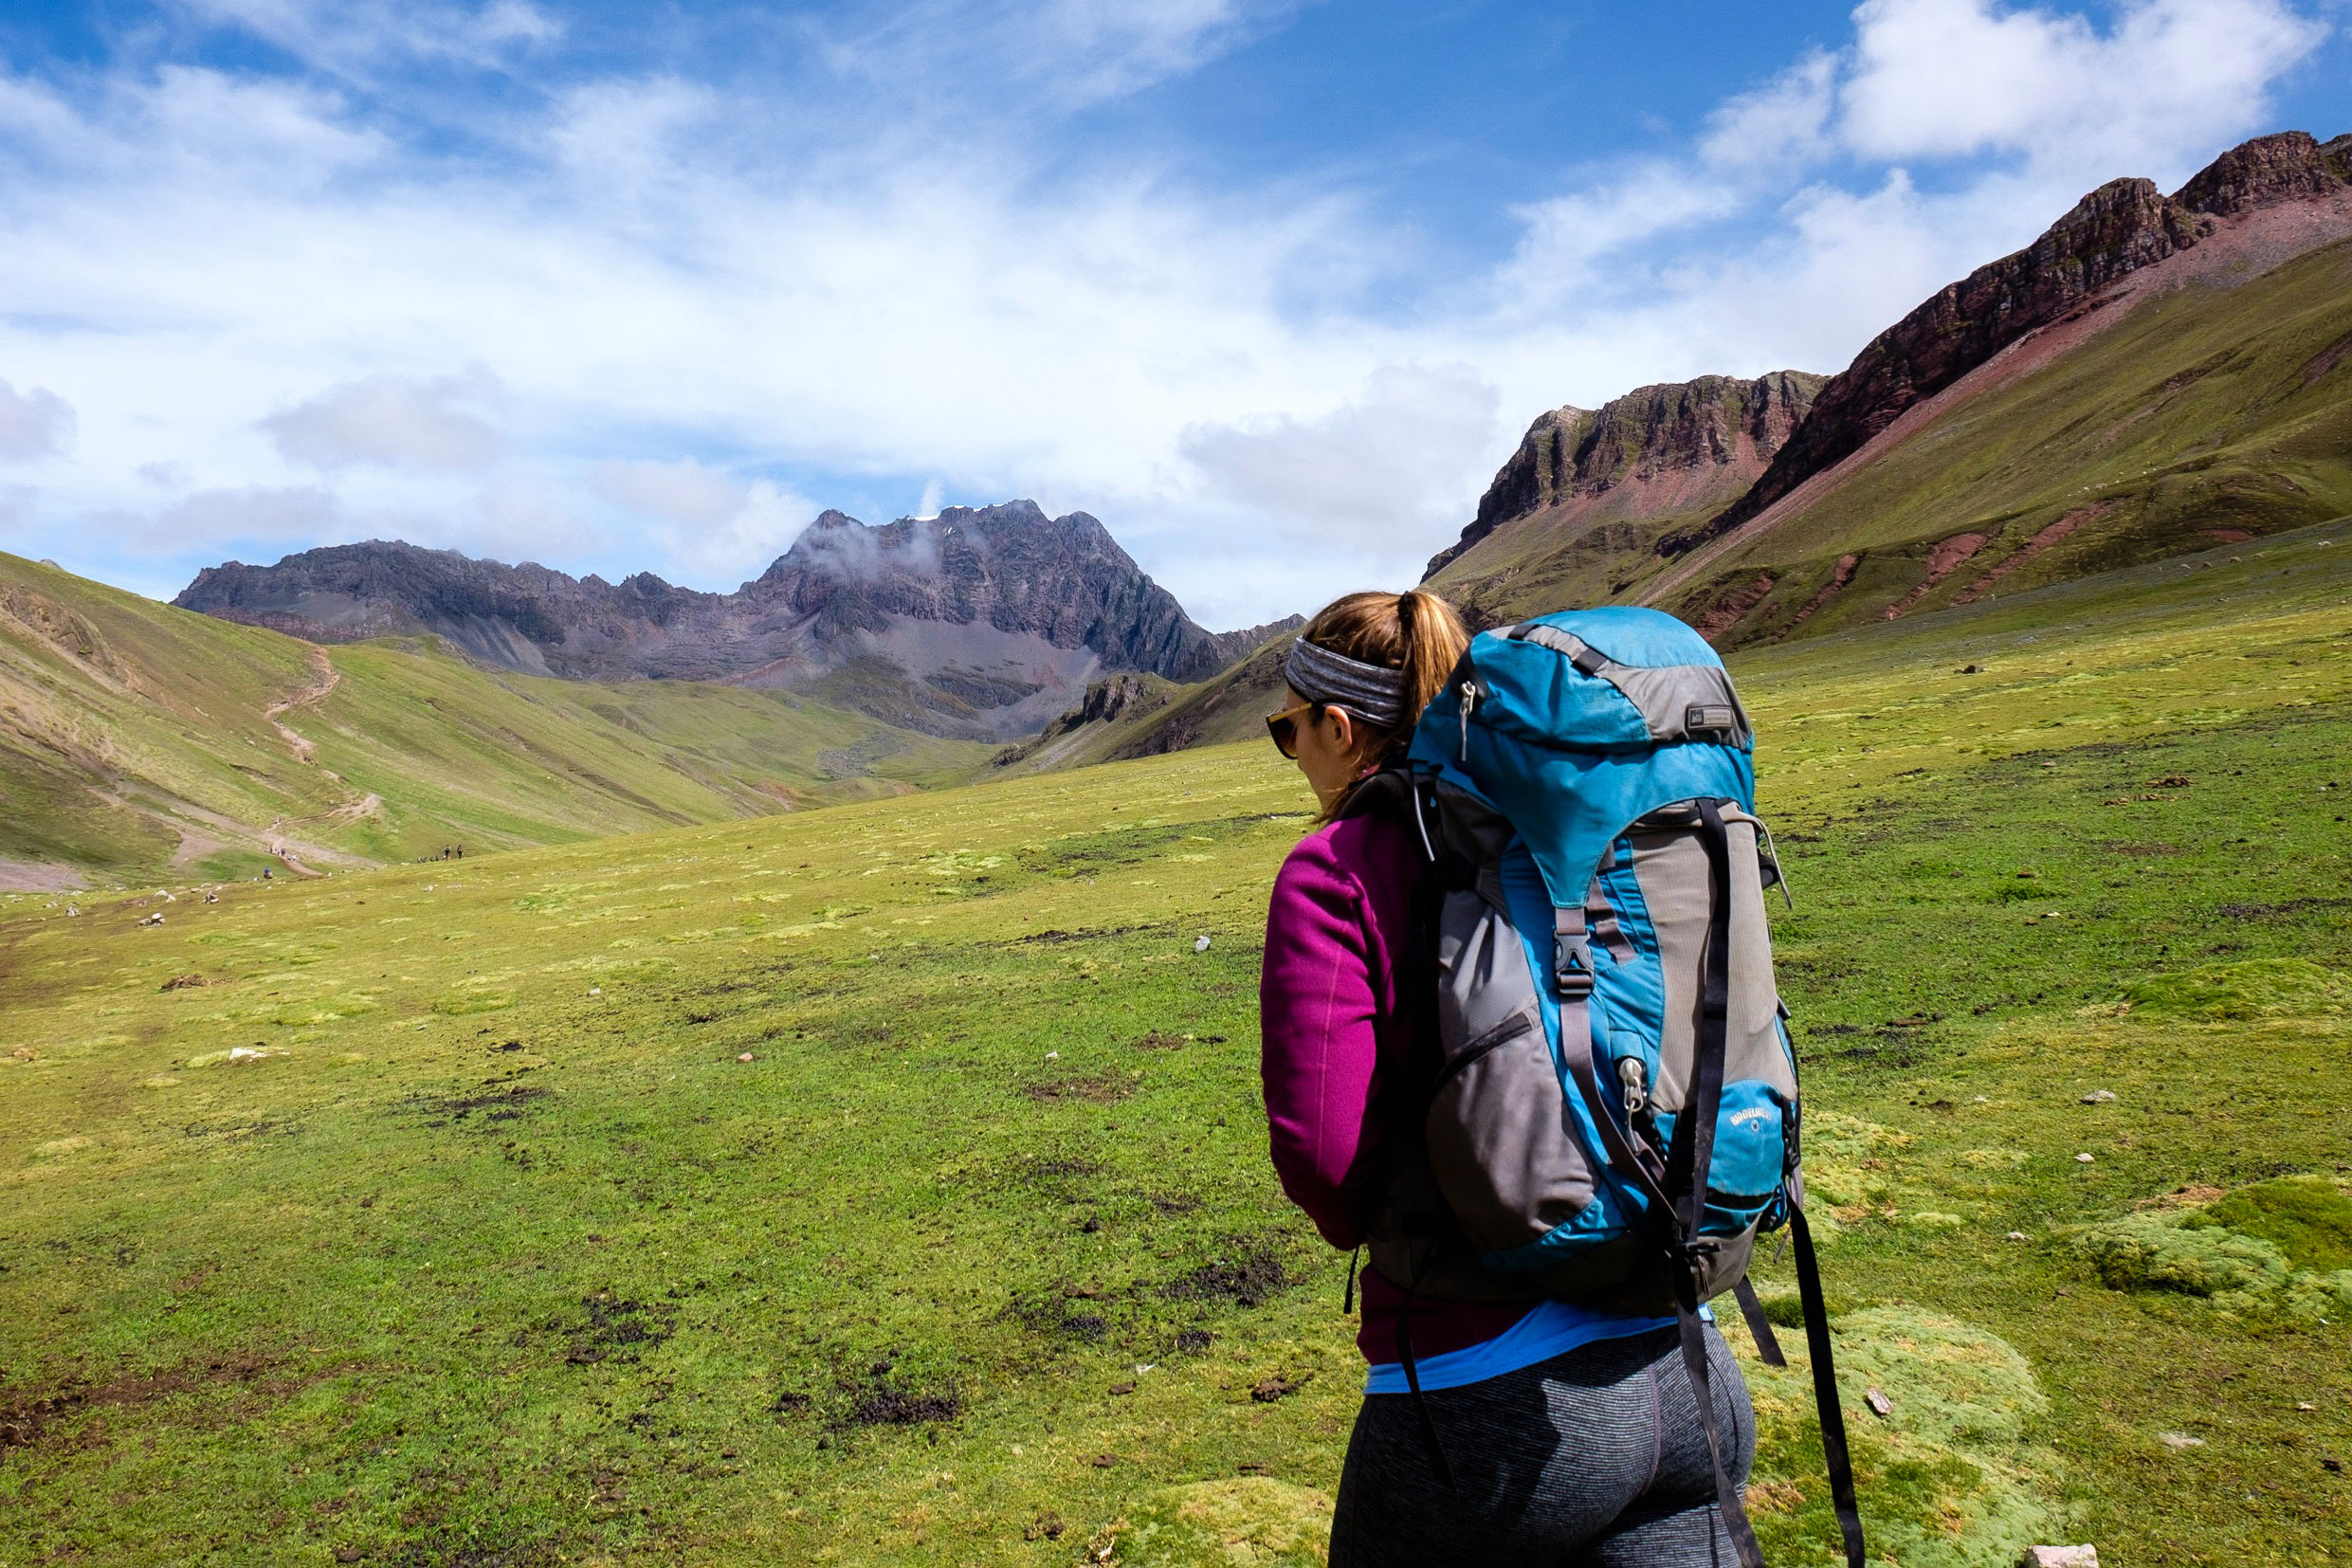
(1883, 1406)
(2060, 1556)
(2180, 1440)
(2098, 1097)
(2082, 1160)
(745, 1057)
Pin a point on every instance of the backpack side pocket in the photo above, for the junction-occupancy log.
(1502, 1142)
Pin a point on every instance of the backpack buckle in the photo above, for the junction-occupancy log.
(1568, 966)
(1697, 1257)
(1571, 967)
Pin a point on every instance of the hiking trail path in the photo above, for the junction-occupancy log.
(326, 679)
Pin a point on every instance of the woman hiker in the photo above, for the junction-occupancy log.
(1568, 1435)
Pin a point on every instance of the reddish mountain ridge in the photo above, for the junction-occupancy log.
(1588, 488)
(2116, 231)
(2153, 374)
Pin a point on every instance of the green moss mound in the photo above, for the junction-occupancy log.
(2259, 988)
(2169, 1252)
(1947, 1477)
(460, 1004)
(1248, 1520)
(1848, 1163)
(2277, 1247)
(2308, 1218)
(1963, 1385)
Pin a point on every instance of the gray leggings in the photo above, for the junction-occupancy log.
(1592, 1459)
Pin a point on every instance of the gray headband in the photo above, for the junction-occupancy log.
(1370, 692)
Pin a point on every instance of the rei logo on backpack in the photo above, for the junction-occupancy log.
(1602, 1103)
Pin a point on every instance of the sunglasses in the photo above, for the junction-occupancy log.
(1283, 728)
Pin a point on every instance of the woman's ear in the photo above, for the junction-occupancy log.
(1343, 731)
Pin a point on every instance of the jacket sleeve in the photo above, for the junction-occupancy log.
(1316, 1006)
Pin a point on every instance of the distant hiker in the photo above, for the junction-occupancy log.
(1534, 1394)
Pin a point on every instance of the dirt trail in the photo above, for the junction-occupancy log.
(278, 846)
(328, 679)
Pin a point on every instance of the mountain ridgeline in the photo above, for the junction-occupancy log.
(2153, 375)
(1589, 487)
(979, 624)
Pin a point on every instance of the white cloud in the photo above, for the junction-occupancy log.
(1949, 78)
(35, 422)
(396, 421)
(252, 514)
(1121, 44)
(347, 34)
(1069, 52)
(1785, 121)
(1569, 238)
(1380, 470)
(683, 491)
(16, 503)
(661, 265)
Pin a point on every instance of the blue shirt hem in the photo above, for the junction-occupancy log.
(1549, 1329)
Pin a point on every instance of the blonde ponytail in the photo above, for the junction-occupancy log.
(1417, 634)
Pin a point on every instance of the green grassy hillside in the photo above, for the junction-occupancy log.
(1536, 564)
(493, 1246)
(2218, 411)
(144, 742)
(1228, 706)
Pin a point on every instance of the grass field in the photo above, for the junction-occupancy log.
(498, 1253)
(139, 741)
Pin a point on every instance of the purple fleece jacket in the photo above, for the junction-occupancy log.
(1328, 1005)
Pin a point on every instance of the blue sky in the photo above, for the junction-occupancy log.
(1270, 287)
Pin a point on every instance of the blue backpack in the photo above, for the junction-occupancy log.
(1600, 1102)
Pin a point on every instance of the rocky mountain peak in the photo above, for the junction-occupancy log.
(982, 621)
(2267, 170)
(1658, 448)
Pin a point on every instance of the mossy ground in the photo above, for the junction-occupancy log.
(506, 1258)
